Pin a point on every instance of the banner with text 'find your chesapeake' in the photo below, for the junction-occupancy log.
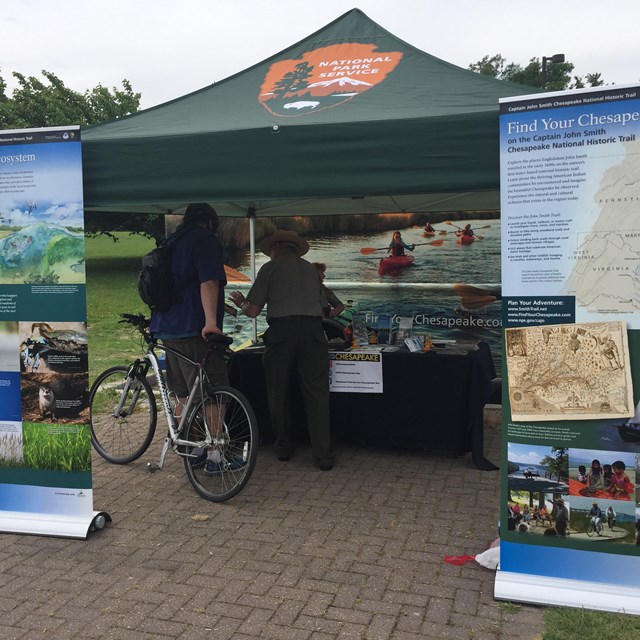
(45, 444)
(570, 195)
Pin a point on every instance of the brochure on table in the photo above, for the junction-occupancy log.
(45, 436)
(570, 192)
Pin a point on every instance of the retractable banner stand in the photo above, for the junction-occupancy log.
(45, 436)
(570, 192)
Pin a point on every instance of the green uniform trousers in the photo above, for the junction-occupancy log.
(296, 348)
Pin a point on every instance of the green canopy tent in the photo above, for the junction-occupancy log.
(349, 120)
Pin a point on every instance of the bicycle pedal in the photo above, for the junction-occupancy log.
(152, 467)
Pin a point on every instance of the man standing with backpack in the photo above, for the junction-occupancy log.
(198, 277)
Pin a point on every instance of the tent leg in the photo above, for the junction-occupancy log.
(252, 248)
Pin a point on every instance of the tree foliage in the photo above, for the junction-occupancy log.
(50, 103)
(558, 74)
(294, 80)
(148, 225)
(558, 465)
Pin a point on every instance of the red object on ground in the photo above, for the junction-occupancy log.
(459, 560)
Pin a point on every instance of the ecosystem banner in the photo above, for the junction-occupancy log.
(570, 194)
(45, 444)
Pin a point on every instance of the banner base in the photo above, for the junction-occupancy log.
(39, 524)
(533, 589)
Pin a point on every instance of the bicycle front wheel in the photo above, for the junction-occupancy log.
(123, 415)
(220, 472)
(591, 528)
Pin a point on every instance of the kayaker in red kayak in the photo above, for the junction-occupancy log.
(466, 235)
(428, 228)
(398, 245)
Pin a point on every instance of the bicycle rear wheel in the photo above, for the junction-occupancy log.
(232, 458)
(123, 415)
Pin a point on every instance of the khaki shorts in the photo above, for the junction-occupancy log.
(181, 374)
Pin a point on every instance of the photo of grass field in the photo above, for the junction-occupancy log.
(57, 447)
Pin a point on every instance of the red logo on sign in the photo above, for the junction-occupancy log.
(325, 78)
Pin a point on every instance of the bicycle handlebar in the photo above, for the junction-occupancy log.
(140, 321)
(136, 319)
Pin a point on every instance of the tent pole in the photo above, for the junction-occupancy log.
(251, 214)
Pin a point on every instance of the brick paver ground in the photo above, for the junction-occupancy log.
(300, 554)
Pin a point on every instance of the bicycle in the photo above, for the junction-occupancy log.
(594, 526)
(216, 434)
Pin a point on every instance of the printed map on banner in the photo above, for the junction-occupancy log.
(569, 372)
(607, 261)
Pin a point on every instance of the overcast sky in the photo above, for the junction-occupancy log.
(167, 48)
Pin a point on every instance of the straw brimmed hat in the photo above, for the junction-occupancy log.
(284, 236)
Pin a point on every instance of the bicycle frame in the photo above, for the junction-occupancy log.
(150, 361)
(596, 521)
(213, 428)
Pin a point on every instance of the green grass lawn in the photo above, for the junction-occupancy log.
(585, 624)
(112, 275)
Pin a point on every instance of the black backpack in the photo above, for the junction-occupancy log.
(155, 284)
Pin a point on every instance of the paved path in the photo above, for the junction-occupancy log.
(355, 553)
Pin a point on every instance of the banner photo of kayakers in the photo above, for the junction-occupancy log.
(570, 194)
(446, 283)
(45, 435)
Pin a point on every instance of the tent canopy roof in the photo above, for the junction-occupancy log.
(348, 120)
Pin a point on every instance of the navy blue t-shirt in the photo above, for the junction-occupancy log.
(196, 256)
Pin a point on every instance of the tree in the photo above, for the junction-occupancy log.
(558, 74)
(559, 465)
(293, 80)
(35, 103)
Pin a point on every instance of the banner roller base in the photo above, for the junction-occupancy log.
(532, 589)
(53, 525)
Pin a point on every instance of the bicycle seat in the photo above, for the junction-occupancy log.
(219, 339)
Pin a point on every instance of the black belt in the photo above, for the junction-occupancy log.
(293, 319)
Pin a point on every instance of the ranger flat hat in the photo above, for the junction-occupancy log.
(284, 236)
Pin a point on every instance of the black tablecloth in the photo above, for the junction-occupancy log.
(431, 401)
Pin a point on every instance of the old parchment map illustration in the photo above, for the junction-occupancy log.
(569, 372)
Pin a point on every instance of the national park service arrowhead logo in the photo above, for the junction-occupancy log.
(325, 78)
